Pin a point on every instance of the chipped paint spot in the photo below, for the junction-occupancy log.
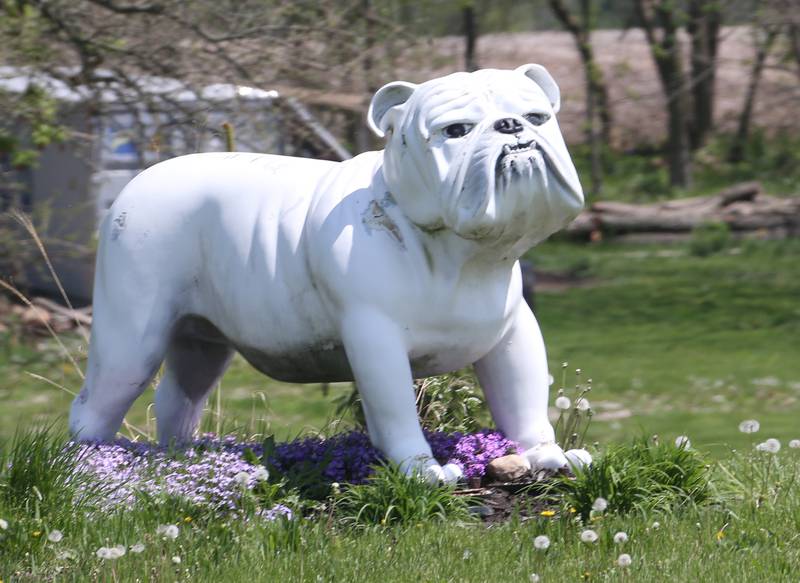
(119, 225)
(374, 217)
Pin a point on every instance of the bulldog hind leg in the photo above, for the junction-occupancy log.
(193, 368)
(123, 359)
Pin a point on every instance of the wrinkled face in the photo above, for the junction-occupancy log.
(479, 153)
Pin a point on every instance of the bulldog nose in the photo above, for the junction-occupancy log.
(508, 125)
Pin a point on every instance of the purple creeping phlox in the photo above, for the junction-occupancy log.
(210, 470)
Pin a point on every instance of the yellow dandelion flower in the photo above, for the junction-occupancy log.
(36, 533)
(573, 510)
(187, 519)
(720, 534)
(548, 513)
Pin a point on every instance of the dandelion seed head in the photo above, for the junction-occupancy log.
(261, 474)
(176, 559)
(683, 441)
(137, 548)
(534, 578)
(583, 404)
(600, 504)
(621, 537)
(563, 403)
(541, 542)
(242, 478)
(55, 536)
(624, 560)
(589, 536)
(117, 551)
(466, 555)
(656, 525)
(3, 524)
(749, 426)
(794, 444)
(169, 531)
(771, 445)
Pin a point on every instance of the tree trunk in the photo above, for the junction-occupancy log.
(736, 153)
(597, 101)
(470, 37)
(703, 27)
(666, 50)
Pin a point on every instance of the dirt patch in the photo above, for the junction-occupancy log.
(498, 502)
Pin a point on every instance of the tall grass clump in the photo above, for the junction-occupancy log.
(40, 476)
(391, 498)
(643, 475)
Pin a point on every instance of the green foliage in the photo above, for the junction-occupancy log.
(392, 498)
(38, 476)
(451, 402)
(643, 475)
(709, 238)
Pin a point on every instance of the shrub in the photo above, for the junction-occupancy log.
(643, 475)
(709, 238)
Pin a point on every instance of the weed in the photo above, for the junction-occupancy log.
(391, 498)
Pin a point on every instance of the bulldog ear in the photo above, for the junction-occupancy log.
(543, 79)
(387, 97)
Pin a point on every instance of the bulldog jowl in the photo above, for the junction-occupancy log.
(397, 264)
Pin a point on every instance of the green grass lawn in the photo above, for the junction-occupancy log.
(674, 343)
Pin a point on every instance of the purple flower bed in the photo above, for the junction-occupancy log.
(205, 472)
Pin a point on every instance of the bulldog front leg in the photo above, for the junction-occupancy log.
(378, 357)
(515, 381)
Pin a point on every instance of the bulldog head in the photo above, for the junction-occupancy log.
(479, 153)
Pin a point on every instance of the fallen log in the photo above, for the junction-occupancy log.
(743, 207)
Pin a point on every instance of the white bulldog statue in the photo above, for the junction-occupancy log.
(397, 264)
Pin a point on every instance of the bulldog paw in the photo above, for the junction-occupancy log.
(546, 456)
(578, 458)
(429, 470)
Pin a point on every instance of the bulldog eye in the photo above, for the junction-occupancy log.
(457, 130)
(537, 119)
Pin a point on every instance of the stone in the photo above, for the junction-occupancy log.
(508, 468)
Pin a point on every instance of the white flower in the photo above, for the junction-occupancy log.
(794, 444)
(583, 404)
(541, 542)
(683, 441)
(55, 536)
(535, 578)
(772, 445)
(600, 504)
(335, 488)
(624, 560)
(3, 524)
(261, 474)
(563, 403)
(621, 537)
(176, 559)
(169, 531)
(589, 536)
(242, 478)
(656, 525)
(749, 426)
(137, 548)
